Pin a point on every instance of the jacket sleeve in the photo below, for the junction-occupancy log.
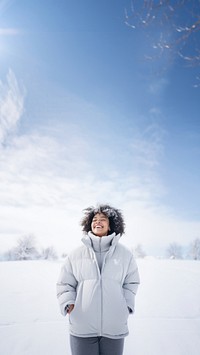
(130, 285)
(66, 287)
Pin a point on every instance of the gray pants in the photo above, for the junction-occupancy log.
(96, 346)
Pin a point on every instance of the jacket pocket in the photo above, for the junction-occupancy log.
(115, 310)
(84, 319)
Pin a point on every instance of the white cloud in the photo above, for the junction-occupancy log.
(11, 105)
(47, 176)
(155, 227)
(9, 31)
(45, 184)
(148, 146)
(157, 86)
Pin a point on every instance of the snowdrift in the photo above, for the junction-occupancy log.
(166, 321)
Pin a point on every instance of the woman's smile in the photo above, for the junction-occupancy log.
(100, 225)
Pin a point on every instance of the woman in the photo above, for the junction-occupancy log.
(98, 284)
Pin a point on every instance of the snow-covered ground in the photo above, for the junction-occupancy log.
(166, 321)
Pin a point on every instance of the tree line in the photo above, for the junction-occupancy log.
(26, 249)
(174, 251)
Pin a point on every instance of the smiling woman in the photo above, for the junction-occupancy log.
(100, 225)
(98, 284)
(105, 212)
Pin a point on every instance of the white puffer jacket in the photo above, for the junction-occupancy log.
(101, 299)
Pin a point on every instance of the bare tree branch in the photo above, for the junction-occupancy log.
(172, 28)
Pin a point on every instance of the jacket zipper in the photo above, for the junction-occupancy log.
(102, 267)
(100, 282)
(101, 290)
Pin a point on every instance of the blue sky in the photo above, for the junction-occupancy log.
(86, 119)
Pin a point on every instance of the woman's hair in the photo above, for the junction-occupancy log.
(116, 220)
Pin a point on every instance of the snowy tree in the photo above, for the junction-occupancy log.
(49, 253)
(9, 255)
(194, 250)
(3, 257)
(139, 252)
(25, 249)
(174, 251)
(171, 27)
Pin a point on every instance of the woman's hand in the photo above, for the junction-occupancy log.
(70, 308)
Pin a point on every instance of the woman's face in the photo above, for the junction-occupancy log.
(100, 225)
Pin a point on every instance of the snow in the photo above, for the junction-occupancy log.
(166, 321)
